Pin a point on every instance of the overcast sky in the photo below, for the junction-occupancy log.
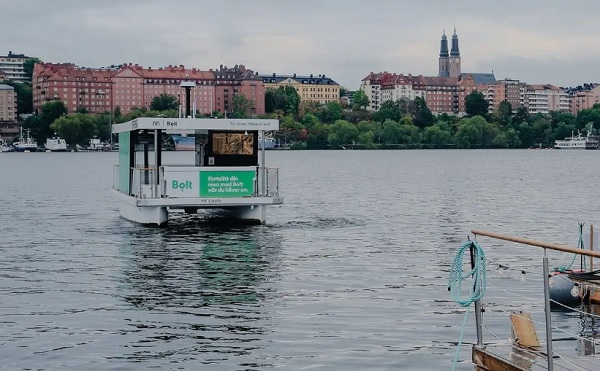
(536, 41)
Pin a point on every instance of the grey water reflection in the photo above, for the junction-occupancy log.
(197, 290)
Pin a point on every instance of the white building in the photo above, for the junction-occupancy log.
(12, 66)
(546, 98)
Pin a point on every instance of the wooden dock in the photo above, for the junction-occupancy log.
(508, 357)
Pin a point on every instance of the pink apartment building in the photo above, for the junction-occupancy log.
(129, 86)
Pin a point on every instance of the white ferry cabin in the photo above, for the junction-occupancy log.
(228, 173)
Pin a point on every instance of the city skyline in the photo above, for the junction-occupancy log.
(539, 42)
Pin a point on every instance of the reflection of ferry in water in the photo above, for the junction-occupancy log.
(183, 143)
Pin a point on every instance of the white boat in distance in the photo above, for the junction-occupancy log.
(25, 143)
(572, 142)
(56, 144)
(97, 145)
(4, 147)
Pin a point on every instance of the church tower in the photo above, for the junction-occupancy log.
(444, 57)
(454, 65)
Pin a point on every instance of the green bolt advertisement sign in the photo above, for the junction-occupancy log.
(227, 183)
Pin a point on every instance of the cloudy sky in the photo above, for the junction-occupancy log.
(536, 41)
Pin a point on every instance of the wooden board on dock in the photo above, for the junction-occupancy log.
(508, 357)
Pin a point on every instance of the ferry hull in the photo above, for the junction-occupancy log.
(25, 149)
(156, 216)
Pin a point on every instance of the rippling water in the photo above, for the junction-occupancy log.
(350, 273)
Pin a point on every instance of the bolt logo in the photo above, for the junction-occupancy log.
(181, 185)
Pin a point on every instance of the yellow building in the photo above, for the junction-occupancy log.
(319, 89)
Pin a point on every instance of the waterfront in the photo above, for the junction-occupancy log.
(350, 273)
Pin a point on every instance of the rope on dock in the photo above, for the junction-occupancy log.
(580, 245)
(477, 290)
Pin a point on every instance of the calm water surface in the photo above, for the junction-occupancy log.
(351, 273)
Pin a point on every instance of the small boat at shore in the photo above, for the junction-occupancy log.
(25, 143)
(591, 142)
(56, 144)
(4, 146)
(97, 145)
(575, 142)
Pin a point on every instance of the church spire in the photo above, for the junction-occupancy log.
(454, 60)
(454, 52)
(444, 46)
(444, 63)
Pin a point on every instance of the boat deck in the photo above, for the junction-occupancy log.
(508, 357)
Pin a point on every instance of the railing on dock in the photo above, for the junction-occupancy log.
(549, 355)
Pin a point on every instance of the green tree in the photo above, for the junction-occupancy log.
(438, 136)
(471, 132)
(285, 99)
(40, 124)
(164, 102)
(422, 115)
(542, 131)
(391, 132)
(503, 114)
(410, 135)
(507, 139)
(389, 110)
(476, 105)
(342, 133)
(360, 100)
(317, 137)
(330, 112)
(589, 115)
(289, 129)
(526, 136)
(522, 115)
(77, 128)
(242, 106)
(309, 120)
(28, 66)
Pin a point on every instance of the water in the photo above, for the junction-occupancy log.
(351, 273)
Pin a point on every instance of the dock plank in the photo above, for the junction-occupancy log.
(508, 357)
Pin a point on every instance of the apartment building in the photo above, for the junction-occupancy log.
(12, 66)
(130, 86)
(8, 103)
(546, 98)
(442, 95)
(584, 97)
(311, 88)
(8, 112)
(512, 91)
(395, 87)
(371, 85)
(470, 82)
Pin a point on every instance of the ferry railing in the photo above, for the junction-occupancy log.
(272, 180)
(143, 182)
(115, 184)
(546, 280)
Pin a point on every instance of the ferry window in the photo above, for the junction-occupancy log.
(232, 143)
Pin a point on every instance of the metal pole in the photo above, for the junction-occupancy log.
(549, 352)
(591, 247)
(478, 320)
(264, 169)
(156, 164)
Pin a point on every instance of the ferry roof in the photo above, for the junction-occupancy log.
(185, 125)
